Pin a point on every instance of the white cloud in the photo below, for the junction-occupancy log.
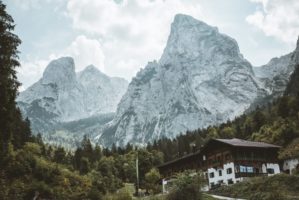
(278, 18)
(85, 51)
(31, 71)
(132, 32)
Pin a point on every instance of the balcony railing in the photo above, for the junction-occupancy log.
(249, 174)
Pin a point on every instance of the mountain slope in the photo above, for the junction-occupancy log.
(103, 93)
(61, 95)
(200, 80)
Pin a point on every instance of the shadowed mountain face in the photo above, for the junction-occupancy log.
(61, 95)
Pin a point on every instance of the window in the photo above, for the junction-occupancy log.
(249, 169)
(270, 170)
(212, 175)
(229, 171)
(242, 169)
(220, 172)
(230, 181)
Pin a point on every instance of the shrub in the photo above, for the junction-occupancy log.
(186, 187)
(122, 195)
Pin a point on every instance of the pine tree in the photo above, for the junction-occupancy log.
(11, 123)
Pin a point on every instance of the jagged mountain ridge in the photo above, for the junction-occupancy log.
(200, 80)
(61, 95)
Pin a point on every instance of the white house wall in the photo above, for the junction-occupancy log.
(273, 166)
(290, 164)
(225, 177)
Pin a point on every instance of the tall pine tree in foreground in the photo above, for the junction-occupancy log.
(13, 129)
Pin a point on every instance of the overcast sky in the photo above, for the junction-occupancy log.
(121, 36)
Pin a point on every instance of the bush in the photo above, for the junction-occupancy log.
(152, 178)
(273, 195)
(123, 195)
(43, 189)
(186, 187)
(276, 187)
(95, 194)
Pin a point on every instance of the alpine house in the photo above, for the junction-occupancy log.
(228, 161)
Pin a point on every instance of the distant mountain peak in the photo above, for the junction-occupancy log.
(183, 20)
(59, 71)
(91, 68)
(192, 39)
(61, 95)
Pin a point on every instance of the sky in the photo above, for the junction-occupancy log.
(120, 37)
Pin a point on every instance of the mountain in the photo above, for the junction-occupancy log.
(200, 80)
(62, 96)
(275, 76)
(103, 93)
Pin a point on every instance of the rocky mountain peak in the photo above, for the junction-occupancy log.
(60, 71)
(182, 21)
(92, 70)
(201, 79)
(193, 39)
(61, 95)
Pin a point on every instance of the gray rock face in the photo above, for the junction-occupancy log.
(61, 95)
(276, 74)
(200, 80)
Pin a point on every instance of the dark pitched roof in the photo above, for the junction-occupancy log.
(178, 159)
(232, 142)
(245, 143)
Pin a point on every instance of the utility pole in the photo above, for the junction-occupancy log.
(137, 175)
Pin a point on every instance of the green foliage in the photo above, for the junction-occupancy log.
(84, 165)
(152, 179)
(186, 187)
(291, 151)
(13, 129)
(121, 195)
(277, 187)
(59, 155)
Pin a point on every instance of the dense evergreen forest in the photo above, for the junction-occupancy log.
(29, 168)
